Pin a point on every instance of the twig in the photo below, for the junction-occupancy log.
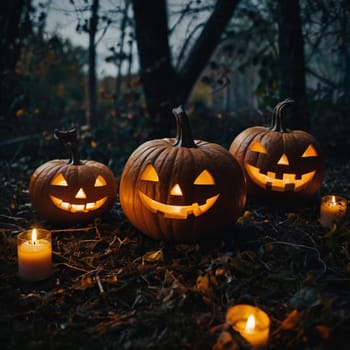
(20, 139)
(98, 234)
(121, 241)
(73, 267)
(305, 247)
(90, 273)
(60, 255)
(11, 227)
(89, 241)
(100, 287)
(113, 240)
(73, 229)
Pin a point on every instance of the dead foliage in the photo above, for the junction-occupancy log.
(114, 288)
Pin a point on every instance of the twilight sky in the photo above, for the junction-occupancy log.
(62, 18)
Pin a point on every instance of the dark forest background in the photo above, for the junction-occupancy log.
(228, 62)
(229, 71)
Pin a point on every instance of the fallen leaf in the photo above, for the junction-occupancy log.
(206, 283)
(84, 283)
(225, 341)
(291, 321)
(247, 217)
(185, 248)
(324, 331)
(152, 256)
(291, 216)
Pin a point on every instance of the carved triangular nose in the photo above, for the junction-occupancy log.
(283, 160)
(176, 190)
(81, 194)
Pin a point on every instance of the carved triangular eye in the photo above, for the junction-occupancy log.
(100, 181)
(59, 180)
(257, 147)
(310, 152)
(204, 178)
(150, 174)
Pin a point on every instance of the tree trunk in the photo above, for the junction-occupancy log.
(164, 88)
(10, 21)
(205, 46)
(121, 56)
(345, 31)
(92, 115)
(291, 62)
(10, 14)
(157, 73)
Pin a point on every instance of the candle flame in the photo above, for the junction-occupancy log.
(34, 236)
(250, 325)
(333, 202)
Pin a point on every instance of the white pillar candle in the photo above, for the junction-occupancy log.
(332, 210)
(34, 252)
(252, 323)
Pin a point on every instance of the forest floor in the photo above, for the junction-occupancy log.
(114, 288)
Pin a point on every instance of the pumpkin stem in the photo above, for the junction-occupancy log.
(184, 136)
(70, 142)
(277, 115)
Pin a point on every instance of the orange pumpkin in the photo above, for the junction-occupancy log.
(181, 189)
(279, 163)
(72, 191)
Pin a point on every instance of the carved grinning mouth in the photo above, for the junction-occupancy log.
(177, 211)
(287, 183)
(78, 208)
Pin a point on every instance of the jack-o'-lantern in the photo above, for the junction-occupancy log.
(279, 163)
(181, 189)
(72, 191)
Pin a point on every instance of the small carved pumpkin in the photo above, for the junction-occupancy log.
(181, 189)
(279, 163)
(72, 191)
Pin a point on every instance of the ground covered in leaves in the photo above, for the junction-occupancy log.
(114, 288)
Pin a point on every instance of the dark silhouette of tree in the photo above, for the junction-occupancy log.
(346, 47)
(167, 83)
(92, 88)
(121, 55)
(10, 15)
(165, 86)
(291, 62)
(11, 12)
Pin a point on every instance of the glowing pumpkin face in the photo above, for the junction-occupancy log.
(279, 162)
(176, 195)
(81, 203)
(72, 191)
(180, 189)
(282, 176)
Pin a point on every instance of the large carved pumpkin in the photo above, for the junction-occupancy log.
(71, 190)
(181, 189)
(279, 163)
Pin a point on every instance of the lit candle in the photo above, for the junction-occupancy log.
(34, 252)
(252, 323)
(332, 210)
